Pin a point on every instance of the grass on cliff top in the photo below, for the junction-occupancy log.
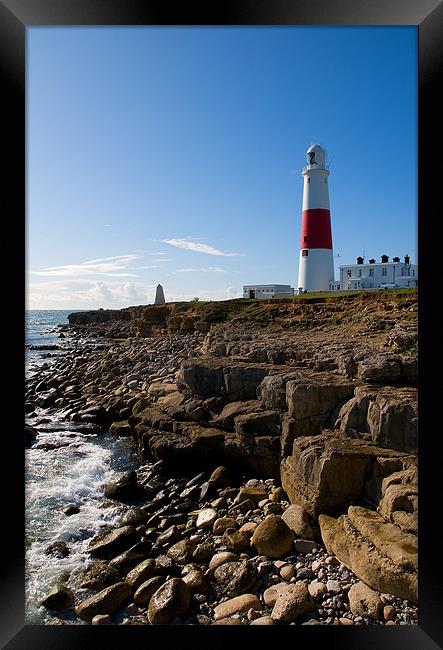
(264, 312)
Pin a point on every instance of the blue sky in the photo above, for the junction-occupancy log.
(174, 155)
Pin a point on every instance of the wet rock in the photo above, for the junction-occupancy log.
(57, 549)
(121, 428)
(58, 598)
(171, 600)
(107, 601)
(71, 509)
(182, 551)
(273, 537)
(123, 488)
(110, 543)
(141, 573)
(97, 577)
(234, 578)
(146, 590)
(236, 605)
(129, 559)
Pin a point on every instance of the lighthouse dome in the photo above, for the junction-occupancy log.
(315, 155)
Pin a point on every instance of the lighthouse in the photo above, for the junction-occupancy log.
(316, 264)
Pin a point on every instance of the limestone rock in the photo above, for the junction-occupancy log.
(378, 552)
(273, 537)
(171, 600)
(364, 601)
(298, 521)
(105, 602)
(292, 602)
(328, 472)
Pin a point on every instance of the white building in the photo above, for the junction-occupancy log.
(379, 275)
(268, 291)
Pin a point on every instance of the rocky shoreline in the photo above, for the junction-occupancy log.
(277, 478)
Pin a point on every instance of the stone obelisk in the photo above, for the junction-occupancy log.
(159, 295)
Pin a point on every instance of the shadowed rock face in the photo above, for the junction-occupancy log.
(99, 316)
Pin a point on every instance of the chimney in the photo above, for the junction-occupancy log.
(395, 259)
(384, 259)
(372, 261)
(406, 259)
(359, 260)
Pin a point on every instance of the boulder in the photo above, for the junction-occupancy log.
(380, 368)
(141, 573)
(182, 551)
(247, 492)
(328, 472)
(314, 402)
(378, 552)
(147, 589)
(97, 576)
(220, 558)
(364, 601)
(170, 601)
(235, 578)
(234, 540)
(110, 543)
(273, 537)
(225, 419)
(298, 521)
(385, 415)
(272, 392)
(291, 603)
(58, 598)
(196, 581)
(107, 601)
(236, 605)
(121, 428)
(123, 488)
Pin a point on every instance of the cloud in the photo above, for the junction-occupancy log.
(226, 293)
(102, 266)
(87, 294)
(197, 247)
(207, 269)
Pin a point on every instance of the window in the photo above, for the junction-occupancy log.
(371, 272)
(413, 271)
(359, 273)
(349, 273)
(403, 270)
(309, 180)
(304, 253)
(384, 271)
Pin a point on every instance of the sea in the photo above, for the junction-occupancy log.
(73, 473)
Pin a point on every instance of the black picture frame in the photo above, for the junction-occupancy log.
(427, 15)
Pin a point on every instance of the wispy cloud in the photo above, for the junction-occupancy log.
(197, 247)
(109, 266)
(206, 269)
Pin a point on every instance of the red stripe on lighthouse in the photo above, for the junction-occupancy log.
(316, 229)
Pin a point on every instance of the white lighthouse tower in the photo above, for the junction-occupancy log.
(316, 265)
